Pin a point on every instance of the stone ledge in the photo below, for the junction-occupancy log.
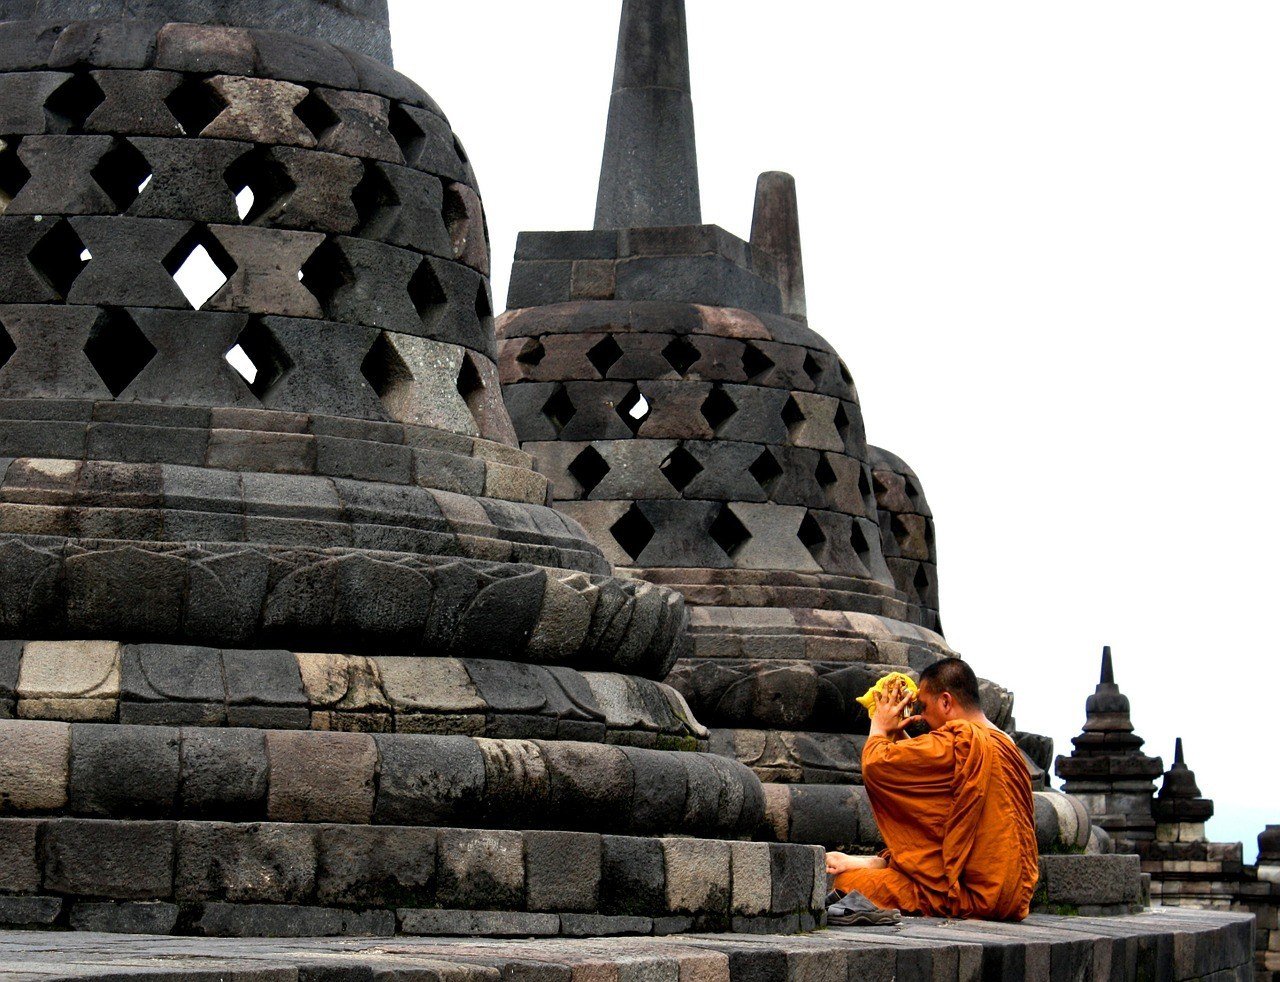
(278, 879)
(1175, 945)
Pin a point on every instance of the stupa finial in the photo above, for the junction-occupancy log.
(1108, 671)
(649, 177)
(776, 230)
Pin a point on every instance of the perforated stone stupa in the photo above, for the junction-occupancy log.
(295, 645)
(663, 374)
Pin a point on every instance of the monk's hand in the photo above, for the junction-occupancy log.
(890, 717)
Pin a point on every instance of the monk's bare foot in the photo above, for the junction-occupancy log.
(839, 862)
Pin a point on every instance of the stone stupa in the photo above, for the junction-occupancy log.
(294, 643)
(664, 376)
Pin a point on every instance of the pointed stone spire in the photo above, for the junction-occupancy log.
(649, 177)
(1107, 769)
(775, 230)
(1180, 801)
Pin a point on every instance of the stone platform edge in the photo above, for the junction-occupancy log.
(1166, 943)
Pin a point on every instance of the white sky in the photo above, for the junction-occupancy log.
(1045, 239)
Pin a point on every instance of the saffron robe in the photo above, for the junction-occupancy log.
(957, 815)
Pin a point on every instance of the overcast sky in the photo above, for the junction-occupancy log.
(1045, 238)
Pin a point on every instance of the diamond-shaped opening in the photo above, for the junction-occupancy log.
(7, 347)
(864, 484)
(471, 386)
(59, 257)
(812, 368)
(766, 470)
(261, 185)
(327, 273)
(845, 374)
(589, 469)
(811, 535)
(386, 372)
(858, 539)
(195, 104)
(755, 362)
(484, 308)
(824, 473)
(117, 349)
(681, 468)
(373, 196)
(316, 115)
(456, 218)
(532, 352)
(13, 173)
(728, 532)
(633, 532)
(559, 408)
(122, 172)
(842, 422)
(634, 409)
(900, 531)
(428, 296)
(718, 408)
(681, 354)
(200, 266)
(913, 492)
(792, 414)
(604, 355)
(75, 100)
(460, 150)
(406, 132)
(921, 580)
(267, 361)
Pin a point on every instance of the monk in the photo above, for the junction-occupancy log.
(954, 807)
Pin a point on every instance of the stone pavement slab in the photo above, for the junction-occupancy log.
(1180, 945)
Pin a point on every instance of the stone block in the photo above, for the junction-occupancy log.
(35, 760)
(77, 680)
(321, 777)
(110, 860)
(124, 771)
(375, 866)
(125, 918)
(273, 864)
(563, 871)
(19, 868)
(699, 877)
(437, 685)
(224, 774)
(633, 878)
(429, 780)
(263, 678)
(484, 923)
(220, 920)
(29, 913)
(792, 877)
(480, 870)
(601, 925)
(752, 879)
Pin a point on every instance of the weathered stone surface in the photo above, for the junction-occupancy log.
(321, 777)
(35, 760)
(481, 870)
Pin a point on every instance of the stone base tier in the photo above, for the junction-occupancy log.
(270, 879)
(840, 817)
(1186, 946)
(185, 685)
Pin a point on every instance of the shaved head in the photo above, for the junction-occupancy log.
(954, 676)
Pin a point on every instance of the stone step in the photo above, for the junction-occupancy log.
(276, 878)
(1183, 946)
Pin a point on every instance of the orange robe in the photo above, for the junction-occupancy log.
(956, 812)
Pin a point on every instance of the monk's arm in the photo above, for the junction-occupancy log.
(907, 764)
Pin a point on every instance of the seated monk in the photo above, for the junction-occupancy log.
(954, 807)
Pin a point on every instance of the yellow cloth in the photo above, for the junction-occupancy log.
(868, 699)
